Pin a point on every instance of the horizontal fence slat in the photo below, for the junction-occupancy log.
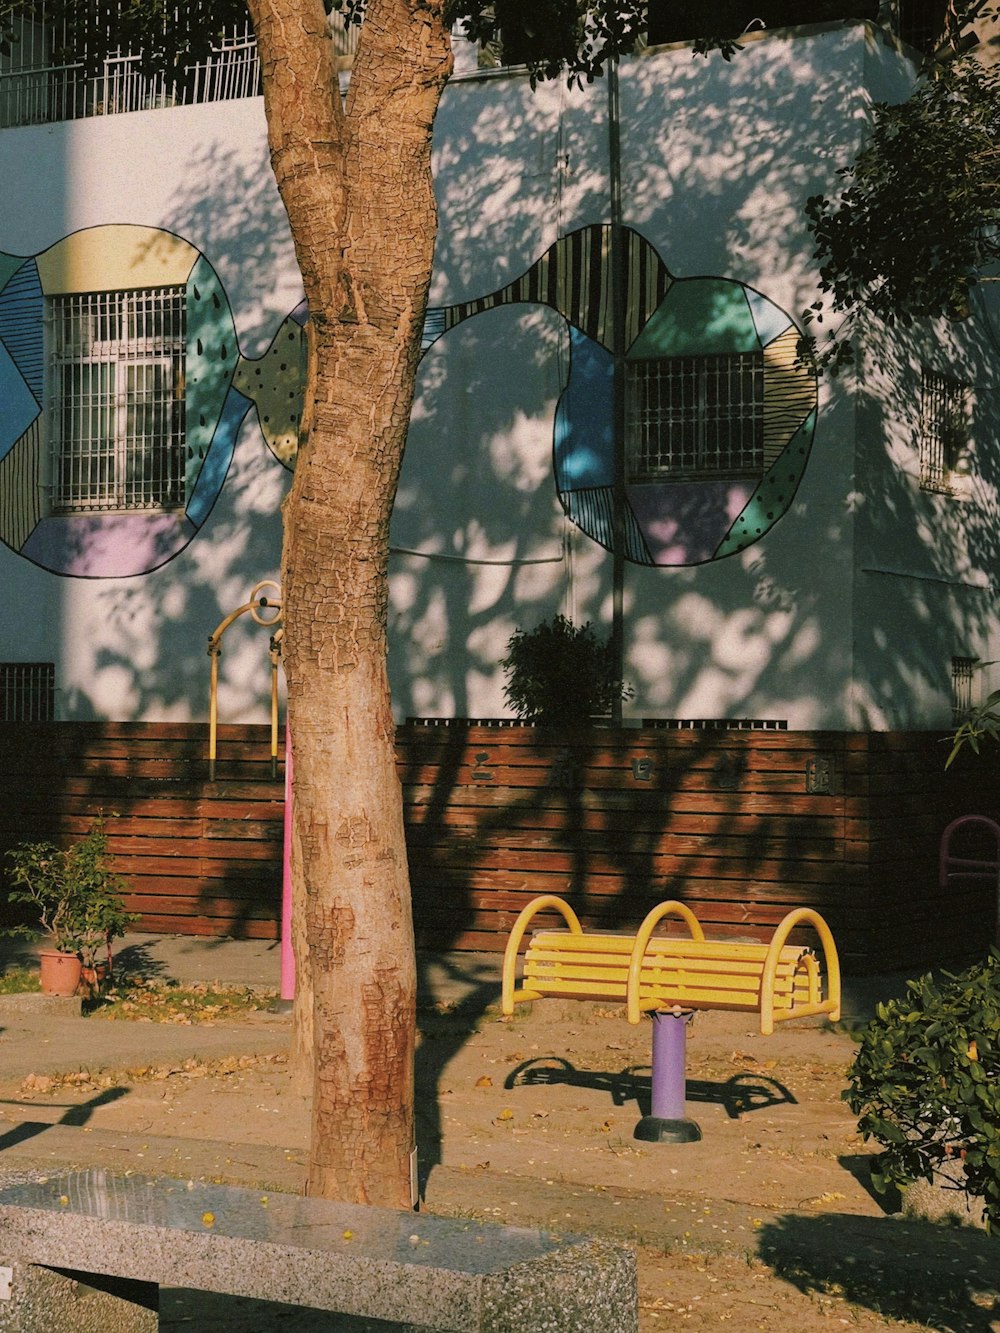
(613, 821)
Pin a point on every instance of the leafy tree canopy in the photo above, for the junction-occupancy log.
(916, 226)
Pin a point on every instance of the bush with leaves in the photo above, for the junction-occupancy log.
(981, 722)
(926, 1085)
(561, 674)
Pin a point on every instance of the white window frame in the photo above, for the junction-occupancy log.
(116, 400)
(691, 417)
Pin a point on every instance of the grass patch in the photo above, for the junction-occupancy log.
(139, 1000)
(17, 980)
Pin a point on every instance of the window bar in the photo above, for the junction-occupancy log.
(943, 429)
(27, 691)
(116, 399)
(962, 670)
(35, 89)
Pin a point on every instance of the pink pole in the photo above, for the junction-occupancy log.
(287, 956)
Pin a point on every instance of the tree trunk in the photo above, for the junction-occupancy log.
(356, 184)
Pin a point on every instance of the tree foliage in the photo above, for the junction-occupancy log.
(560, 674)
(916, 226)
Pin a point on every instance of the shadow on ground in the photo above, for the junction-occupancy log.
(873, 1262)
(75, 1114)
(737, 1095)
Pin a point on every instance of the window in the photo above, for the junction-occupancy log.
(27, 691)
(962, 669)
(116, 399)
(695, 416)
(944, 429)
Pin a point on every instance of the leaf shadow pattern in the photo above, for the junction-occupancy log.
(943, 1276)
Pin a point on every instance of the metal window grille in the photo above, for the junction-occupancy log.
(962, 670)
(46, 76)
(695, 416)
(944, 428)
(27, 691)
(116, 399)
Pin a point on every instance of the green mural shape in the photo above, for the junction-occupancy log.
(772, 497)
(698, 317)
(9, 264)
(212, 354)
(276, 385)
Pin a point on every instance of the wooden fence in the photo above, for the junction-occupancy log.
(741, 825)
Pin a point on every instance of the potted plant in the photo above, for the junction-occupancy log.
(560, 674)
(76, 901)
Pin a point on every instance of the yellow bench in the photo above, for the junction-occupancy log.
(652, 973)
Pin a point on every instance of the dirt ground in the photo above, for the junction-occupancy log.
(766, 1224)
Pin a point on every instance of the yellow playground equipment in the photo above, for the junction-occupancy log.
(670, 977)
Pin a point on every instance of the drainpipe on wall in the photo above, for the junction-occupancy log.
(618, 297)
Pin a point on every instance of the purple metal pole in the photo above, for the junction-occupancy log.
(666, 1122)
(669, 1051)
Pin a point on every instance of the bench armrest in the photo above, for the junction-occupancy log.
(831, 1005)
(547, 901)
(642, 938)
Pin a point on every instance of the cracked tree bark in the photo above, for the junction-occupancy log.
(355, 179)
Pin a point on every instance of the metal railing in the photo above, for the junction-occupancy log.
(27, 691)
(44, 79)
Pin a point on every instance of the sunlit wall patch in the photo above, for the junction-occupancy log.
(721, 411)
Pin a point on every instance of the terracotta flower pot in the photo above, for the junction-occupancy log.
(60, 972)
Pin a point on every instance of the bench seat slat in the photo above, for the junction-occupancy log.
(566, 958)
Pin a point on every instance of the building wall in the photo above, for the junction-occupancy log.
(499, 521)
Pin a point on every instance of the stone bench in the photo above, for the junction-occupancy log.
(127, 1236)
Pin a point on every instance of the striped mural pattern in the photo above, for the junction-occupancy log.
(789, 393)
(21, 306)
(574, 277)
(592, 509)
(20, 487)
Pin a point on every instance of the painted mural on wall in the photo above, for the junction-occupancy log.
(688, 520)
(668, 521)
(215, 389)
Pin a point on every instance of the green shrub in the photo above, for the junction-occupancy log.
(561, 674)
(926, 1085)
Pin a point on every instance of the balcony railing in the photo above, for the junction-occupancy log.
(39, 85)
